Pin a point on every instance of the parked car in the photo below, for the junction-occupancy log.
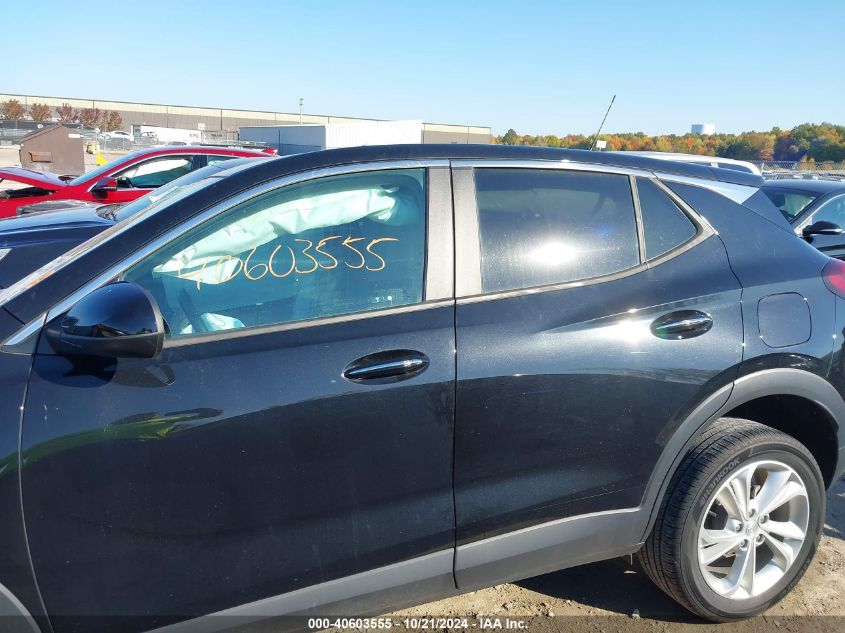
(119, 134)
(815, 208)
(121, 180)
(342, 381)
(45, 230)
(711, 161)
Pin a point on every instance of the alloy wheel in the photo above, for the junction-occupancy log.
(753, 530)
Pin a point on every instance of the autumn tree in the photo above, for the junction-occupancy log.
(111, 121)
(90, 117)
(67, 114)
(40, 112)
(810, 142)
(12, 110)
(510, 138)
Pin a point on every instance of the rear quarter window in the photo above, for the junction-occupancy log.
(665, 226)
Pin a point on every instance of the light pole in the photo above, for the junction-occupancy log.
(300, 110)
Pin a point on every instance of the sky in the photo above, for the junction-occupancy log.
(539, 67)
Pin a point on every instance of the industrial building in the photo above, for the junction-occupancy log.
(294, 139)
(224, 124)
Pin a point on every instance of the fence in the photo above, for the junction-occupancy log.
(11, 132)
(801, 169)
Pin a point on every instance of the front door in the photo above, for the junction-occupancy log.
(147, 175)
(297, 428)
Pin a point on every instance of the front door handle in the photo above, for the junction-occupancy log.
(682, 324)
(385, 367)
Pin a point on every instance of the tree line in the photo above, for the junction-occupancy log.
(811, 142)
(106, 120)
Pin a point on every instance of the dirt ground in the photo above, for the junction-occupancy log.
(10, 156)
(614, 596)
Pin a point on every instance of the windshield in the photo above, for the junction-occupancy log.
(789, 201)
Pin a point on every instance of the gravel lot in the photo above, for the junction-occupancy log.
(607, 597)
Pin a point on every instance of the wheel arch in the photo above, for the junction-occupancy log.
(757, 392)
(14, 614)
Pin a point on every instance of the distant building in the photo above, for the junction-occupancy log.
(295, 139)
(222, 124)
(705, 129)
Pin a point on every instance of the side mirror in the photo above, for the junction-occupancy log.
(822, 227)
(104, 185)
(120, 320)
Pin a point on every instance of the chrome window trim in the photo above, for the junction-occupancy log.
(703, 229)
(17, 342)
(628, 272)
(533, 290)
(273, 328)
(565, 164)
(732, 191)
(223, 206)
(638, 214)
(699, 221)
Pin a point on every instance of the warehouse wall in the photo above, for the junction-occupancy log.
(226, 122)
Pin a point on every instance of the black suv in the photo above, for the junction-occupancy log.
(344, 381)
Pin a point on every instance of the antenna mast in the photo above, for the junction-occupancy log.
(596, 135)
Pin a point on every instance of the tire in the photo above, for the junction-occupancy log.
(676, 553)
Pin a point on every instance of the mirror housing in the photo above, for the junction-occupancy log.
(104, 185)
(822, 227)
(119, 320)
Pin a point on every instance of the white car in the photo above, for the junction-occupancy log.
(121, 134)
(710, 161)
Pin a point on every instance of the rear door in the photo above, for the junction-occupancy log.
(590, 320)
(296, 429)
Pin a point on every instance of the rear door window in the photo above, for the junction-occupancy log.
(550, 226)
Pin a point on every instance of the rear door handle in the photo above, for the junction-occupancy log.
(385, 367)
(682, 324)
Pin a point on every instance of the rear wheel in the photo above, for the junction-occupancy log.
(740, 521)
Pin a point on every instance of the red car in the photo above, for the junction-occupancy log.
(121, 180)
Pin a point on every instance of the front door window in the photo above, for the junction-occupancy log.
(322, 248)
